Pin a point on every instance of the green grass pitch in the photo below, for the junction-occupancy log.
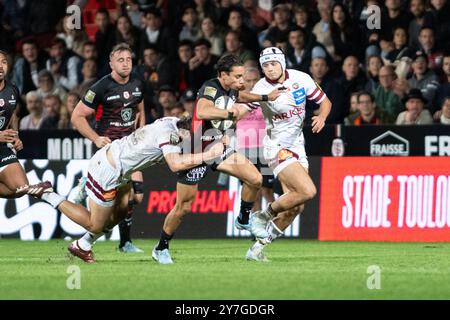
(216, 269)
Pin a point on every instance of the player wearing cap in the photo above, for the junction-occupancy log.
(284, 142)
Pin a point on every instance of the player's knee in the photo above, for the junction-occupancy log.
(184, 207)
(95, 228)
(310, 191)
(255, 181)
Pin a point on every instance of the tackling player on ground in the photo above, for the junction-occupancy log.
(284, 143)
(116, 102)
(109, 174)
(227, 86)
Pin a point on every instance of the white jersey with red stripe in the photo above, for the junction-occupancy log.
(146, 146)
(284, 117)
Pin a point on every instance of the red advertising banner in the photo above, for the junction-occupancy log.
(385, 199)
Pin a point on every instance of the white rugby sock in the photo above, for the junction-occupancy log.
(53, 198)
(273, 230)
(85, 242)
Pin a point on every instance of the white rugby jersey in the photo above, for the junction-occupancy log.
(146, 146)
(284, 117)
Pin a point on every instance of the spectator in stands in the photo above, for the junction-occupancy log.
(185, 53)
(36, 112)
(247, 35)
(205, 8)
(157, 35)
(105, 38)
(73, 38)
(400, 47)
(89, 51)
(302, 19)
(209, 32)
(202, 64)
(374, 64)
(66, 110)
(368, 113)
(63, 64)
(344, 33)
(423, 78)
(52, 108)
(157, 70)
(281, 25)
(392, 18)
(444, 118)
(428, 45)
(322, 28)
(167, 99)
(333, 89)
(188, 100)
(89, 74)
(418, 10)
(44, 15)
(26, 68)
(234, 45)
(443, 91)
(439, 18)
(386, 97)
(47, 85)
(191, 30)
(352, 79)
(415, 112)
(257, 22)
(132, 9)
(298, 56)
(14, 18)
(353, 103)
(129, 34)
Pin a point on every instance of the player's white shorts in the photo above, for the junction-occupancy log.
(279, 156)
(103, 179)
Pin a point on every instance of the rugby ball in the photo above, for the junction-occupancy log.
(223, 102)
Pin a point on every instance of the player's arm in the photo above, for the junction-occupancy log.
(179, 162)
(79, 120)
(318, 122)
(207, 111)
(140, 116)
(247, 97)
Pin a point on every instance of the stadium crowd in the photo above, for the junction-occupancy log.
(396, 74)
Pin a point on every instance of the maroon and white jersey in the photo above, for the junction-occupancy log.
(284, 117)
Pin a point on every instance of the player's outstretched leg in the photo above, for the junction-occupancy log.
(185, 196)
(240, 167)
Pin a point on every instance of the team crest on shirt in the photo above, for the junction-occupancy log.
(296, 86)
(126, 114)
(126, 95)
(2, 102)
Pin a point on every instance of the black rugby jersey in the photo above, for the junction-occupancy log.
(115, 104)
(211, 90)
(9, 99)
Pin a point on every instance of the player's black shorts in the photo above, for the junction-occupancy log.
(195, 175)
(7, 155)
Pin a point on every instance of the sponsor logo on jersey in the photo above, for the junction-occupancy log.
(90, 95)
(296, 86)
(13, 156)
(299, 96)
(126, 114)
(294, 112)
(113, 97)
(126, 94)
(196, 174)
(2, 102)
(2, 121)
(12, 101)
(210, 92)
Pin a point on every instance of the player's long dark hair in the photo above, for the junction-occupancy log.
(185, 121)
